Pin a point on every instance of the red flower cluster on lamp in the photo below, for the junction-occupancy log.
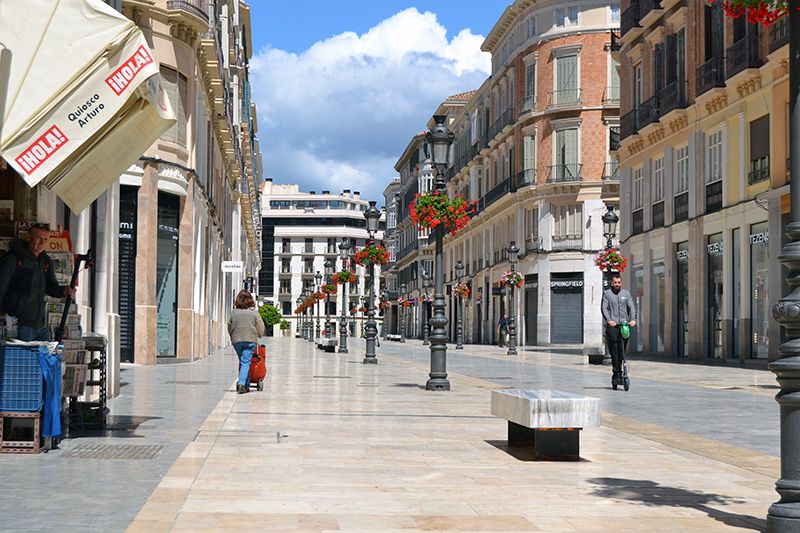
(404, 302)
(755, 11)
(372, 254)
(462, 289)
(345, 276)
(328, 288)
(611, 259)
(309, 302)
(512, 278)
(429, 210)
(383, 304)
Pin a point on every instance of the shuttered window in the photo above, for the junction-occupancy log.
(175, 86)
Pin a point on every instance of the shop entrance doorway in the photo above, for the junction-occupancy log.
(167, 274)
(682, 300)
(566, 308)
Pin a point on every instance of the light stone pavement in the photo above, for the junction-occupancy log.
(335, 445)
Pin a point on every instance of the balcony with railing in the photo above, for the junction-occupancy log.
(566, 243)
(759, 170)
(532, 244)
(197, 8)
(743, 54)
(506, 119)
(527, 104)
(658, 214)
(681, 206)
(637, 222)
(627, 124)
(673, 96)
(564, 173)
(308, 249)
(615, 45)
(648, 112)
(497, 192)
(611, 97)
(629, 19)
(611, 170)
(778, 34)
(647, 7)
(286, 249)
(710, 74)
(714, 196)
(500, 255)
(564, 98)
(525, 178)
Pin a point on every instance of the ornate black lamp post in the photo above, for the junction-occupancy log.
(344, 252)
(402, 311)
(385, 298)
(309, 330)
(328, 279)
(439, 139)
(371, 331)
(427, 283)
(512, 250)
(299, 302)
(610, 220)
(459, 308)
(317, 277)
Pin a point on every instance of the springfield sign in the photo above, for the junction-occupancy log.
(232, 266)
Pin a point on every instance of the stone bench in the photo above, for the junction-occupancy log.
(549, 420)
(393, 337)
(328, 345)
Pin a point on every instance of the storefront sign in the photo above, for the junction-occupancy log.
(682, 255)
(59, 241)
(759, 238)
(232, 266)
(532, 285)
(715, 248)
(658, 269)
(563, 284)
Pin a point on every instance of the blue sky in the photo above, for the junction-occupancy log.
(342, 88)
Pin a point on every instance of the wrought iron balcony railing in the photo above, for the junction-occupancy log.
(710, 74)
(199, 8)
(743, 54)
(564, 173)
(627, 124)
(528, 104)
(629, 18)
(673, 96)
(714, 196)
(637, 222)
(525, 178)
(658, 214)
(611, 170)
(563, 243)
(611, 96)
(648, 112)
(681, 206)
(565, 98)
(778, 34)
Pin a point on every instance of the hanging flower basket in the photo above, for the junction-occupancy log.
(345, 276)
(430, 210)
(384, 304)
(754, 11)
(512, 279)
(611, 260)
(329, 288)
(372, 254)
(427, 297)
(404, 302)
(362, 309)
(462, 289)
(317, 296)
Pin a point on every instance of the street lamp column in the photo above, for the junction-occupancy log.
(439, 139)
(328, 280)
(344, 249)
(299, 302)
(459, 309)
(426, 283)
(371, 331)
(512, 250)
(402, 310)
(385, 298)
(317, 277)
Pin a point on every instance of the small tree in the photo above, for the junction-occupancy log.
(270, 315)
(284, 325)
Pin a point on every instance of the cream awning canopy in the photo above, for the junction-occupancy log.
(79, 95)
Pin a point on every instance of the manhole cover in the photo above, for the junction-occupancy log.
(113, 451)
(187, 382)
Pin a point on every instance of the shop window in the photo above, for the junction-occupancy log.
(715, 251)
(759, 293)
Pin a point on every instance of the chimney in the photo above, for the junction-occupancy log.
(326, 192)
(311, 192)
(267, 187)
(346, 193)
(356, 195)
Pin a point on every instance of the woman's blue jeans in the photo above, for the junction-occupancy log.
(245, 352)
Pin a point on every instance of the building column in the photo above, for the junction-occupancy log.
(185, 330)
(669, 293)
(146, 250)
(698, 291)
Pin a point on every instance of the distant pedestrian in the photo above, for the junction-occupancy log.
(245, 326)
(502, 330)
(618, 308)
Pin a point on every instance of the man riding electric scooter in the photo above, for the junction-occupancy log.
(619, 315)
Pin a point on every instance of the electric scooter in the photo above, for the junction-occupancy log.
(624, 380)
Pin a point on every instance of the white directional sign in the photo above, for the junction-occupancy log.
(232, 266)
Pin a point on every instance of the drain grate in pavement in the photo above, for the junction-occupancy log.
(187, 382)
(113, 451)
(333, 377)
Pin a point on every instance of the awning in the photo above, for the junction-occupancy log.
(83, 100)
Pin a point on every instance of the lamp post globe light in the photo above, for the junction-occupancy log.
(610, 219)
(317, 277)
(328, 279)
(439, 138)
(402, 311)
(299, 303)
(512, 250)
(371, 331)
(344, 253)
(459, 309)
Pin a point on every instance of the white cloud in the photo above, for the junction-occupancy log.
(340, 114)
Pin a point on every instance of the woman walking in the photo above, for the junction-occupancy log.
(245, 327)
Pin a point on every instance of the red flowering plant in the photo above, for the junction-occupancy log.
(317, 296)
(462, 289)
(362, 309)
(611, 259)
(384, 304)
(328, 288)
(512, 279)
(427, 297)
(345, 276)
(754, 11)
(404, 302)
(372, 254)
(429, 210)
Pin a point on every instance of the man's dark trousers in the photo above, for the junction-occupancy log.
(616, 347)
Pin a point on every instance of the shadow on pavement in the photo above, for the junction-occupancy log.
(409, 385)
(523, 453)
(653, 494)
(117, 426)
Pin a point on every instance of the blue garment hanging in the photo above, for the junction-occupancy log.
(51, 412)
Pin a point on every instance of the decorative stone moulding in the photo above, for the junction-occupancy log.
(656, 135)
(636, 147)
(749, 86)
(716, 102)
(680, 122)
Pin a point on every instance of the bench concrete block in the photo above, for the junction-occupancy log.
(545, 408)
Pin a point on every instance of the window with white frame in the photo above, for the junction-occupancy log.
(681, 169)
(531, 228)
(531, 27)
(567, 221)
(638, 181)
(714, 157)
(658, 179)
(567, 16)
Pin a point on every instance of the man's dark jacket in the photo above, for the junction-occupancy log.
(24, 280)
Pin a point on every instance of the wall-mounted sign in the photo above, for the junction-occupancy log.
(567, 283)
(759, 238)
(715, 248)
(232, 266)
(682, 255)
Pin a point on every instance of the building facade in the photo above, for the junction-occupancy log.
(532, 149)
(300, 231)
(703, 165)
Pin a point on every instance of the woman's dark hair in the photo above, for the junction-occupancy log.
(244, 300)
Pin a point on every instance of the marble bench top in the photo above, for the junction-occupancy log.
(545, 408)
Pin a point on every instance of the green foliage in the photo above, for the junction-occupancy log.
(284, 325)
(270, 315)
